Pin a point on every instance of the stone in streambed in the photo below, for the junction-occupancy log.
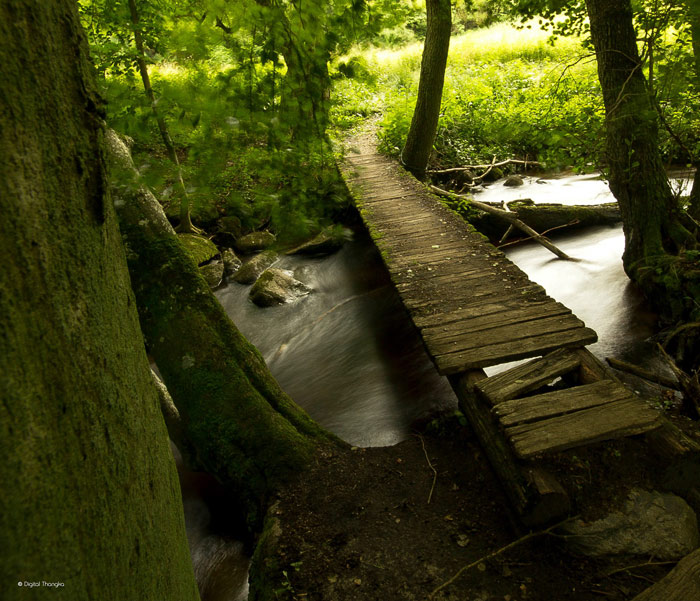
(231, 262)
(513, 181)
(251, 270)
(650, 523)
(213, 273)
(324, 243)
(255, 241)
(276, 287)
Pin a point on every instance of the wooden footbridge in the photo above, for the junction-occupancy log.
(474, 309)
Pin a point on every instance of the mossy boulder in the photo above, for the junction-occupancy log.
(201, 249)
(231, 261)
(213, 273)
(251, 270)
(276, 287)
(255, 241)
(324, 243)
(513, 181)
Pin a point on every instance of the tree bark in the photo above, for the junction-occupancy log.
(421, 135)
(694, 21)
(243, 428)
(636, 173)
(90, 496)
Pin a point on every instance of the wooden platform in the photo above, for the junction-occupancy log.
(474, 309)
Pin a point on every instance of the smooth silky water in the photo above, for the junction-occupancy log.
(349, 355)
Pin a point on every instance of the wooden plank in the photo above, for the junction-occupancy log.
(559, 402)
(529, 376)
(476, 310)
(530, 326)
(509, 351)
(516, 315)
(625, 417)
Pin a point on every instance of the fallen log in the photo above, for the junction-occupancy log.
(547, 216)
(682, 583)
(510, 218)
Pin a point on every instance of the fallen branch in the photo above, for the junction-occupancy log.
(510, 218)
(490, 166)
(498, 552)
(551, 229)
(643, 373)
(640, 565)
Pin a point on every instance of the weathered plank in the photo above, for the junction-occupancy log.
(529, 376)
(624, 417)
(526, 327)
(503, 353)
(559, 402)
(475, 310)
(446, 334)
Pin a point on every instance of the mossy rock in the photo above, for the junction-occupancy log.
(250, 271)
(276, 287)
(255, 241)
(201, 249)
(324, 243)
(231, 262)
(213, 273)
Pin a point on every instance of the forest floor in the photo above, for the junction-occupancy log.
(395, 523)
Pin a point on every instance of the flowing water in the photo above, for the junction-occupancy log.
(349, 355)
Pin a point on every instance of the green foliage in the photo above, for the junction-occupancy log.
(508, 93)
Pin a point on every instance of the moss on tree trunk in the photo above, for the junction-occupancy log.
(90, 492)
(660, 251)
(245, 430)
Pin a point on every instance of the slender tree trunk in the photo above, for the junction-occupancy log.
(244, 429)
(185, 225)
(421, 135)
(90, 494)
(636, 173)
(694, 20)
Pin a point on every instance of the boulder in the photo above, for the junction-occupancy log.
(324, 243)
(231, 262)
(275, 287)
(650, 523)
(213, 273)
(251, 270)
(255, 241)
(513, 181)
(202, 249)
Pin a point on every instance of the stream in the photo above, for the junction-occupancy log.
(349, 355)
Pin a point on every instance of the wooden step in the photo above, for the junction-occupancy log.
(623, 417)
(559, 402)
(528, 376)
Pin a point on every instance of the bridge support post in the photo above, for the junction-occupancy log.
(536, 497)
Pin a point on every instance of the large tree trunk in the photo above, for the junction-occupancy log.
(90, 492)
(421, 135)
(653, 223)
(244, 429)
(636, 173)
